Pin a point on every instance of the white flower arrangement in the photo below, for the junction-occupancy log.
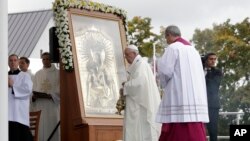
(62, 24)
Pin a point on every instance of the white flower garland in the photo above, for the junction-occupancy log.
(62, 24)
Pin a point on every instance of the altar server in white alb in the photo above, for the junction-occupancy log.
(47, 99)
(19, 92)
(142, 99)
(183, 109)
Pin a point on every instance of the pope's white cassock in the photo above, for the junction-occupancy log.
(19, 102)
(46, 80)
(181, 74)
(142, 102)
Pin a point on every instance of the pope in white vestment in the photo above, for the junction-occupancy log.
(142, 100)
(46, 81)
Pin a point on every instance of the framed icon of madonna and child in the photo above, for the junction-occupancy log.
(98, 40)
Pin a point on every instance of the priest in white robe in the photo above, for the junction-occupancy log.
(183, 108)
(19, 92)
(47, 99)
(142, 99)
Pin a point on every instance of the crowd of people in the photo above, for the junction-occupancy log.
(190, 102)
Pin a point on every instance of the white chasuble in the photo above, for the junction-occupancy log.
(46, 81)
(142, 102)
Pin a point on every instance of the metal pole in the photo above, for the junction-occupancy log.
(238, 119)
(3, 70)
(154, 61)
(238, 115)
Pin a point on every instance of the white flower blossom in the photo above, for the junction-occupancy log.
(64, 61)
(66, 67)
(61, 21)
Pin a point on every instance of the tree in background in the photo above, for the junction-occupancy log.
(203, 40)
(140, 34)
(231, 43)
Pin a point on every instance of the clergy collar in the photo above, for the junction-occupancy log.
(183, 41)
(14, 72)
(208, 69)
(51, 68)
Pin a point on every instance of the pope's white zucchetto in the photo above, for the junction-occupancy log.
(133, 47)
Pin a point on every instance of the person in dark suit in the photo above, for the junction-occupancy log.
(213, 78)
